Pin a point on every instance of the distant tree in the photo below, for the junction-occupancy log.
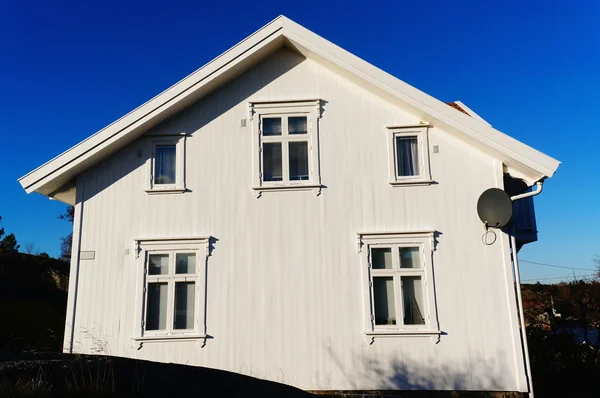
(597, 262)
(9, 244)
(44, 255)
(66, 242)
(30, 248)
(69, 214)
(563, 321)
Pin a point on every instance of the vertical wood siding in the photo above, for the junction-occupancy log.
(284, 292)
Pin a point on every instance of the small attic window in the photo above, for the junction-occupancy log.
(408, 155)
(165, 166)
(165, 170)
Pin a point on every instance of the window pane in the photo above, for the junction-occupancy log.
(185, 263)
(164, 164)
(297, 125)
(409, 257)
(271, 126)
(412, 294)
(383, 295)
(156, 308)
(298, 161)
(272, 162)
(381, 258)
(158, 264)
(407, 155)
(184, 305)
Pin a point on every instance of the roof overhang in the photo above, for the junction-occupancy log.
(52, 177)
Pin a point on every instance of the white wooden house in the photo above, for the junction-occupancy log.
(291, 212)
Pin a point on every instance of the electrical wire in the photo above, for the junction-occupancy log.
(581, 277)
(555, 266)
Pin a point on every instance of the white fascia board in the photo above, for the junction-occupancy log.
(514, 153)
(152, 108)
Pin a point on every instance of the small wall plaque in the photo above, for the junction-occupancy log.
(87, 255)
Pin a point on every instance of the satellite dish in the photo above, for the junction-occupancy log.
(494, 208)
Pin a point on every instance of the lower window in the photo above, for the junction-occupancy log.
(398, 273)
(174, 286)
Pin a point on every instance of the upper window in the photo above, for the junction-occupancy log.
(286, 145)
(398, 272)
(409, 155)
(166, 165)
(173, 288)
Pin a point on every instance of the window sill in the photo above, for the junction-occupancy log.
(279, 188)
(414, 182)
(174, 337)
(403, 332)
(157, 191)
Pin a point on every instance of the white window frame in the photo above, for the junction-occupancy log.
(285, 109)
(179, 186)
(422, 134)
(143, 248)
(425, 241)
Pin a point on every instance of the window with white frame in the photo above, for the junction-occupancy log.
(399, 294)
(166, 165)
(409, 155)
(286, 145)
(173, 288)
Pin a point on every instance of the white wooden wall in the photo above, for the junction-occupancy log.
(284, 292)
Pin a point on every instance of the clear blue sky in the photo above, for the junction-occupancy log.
(531, 68)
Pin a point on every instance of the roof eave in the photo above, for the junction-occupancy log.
(35, 180)
(532, 162)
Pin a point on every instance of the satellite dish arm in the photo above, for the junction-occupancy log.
(539, 184)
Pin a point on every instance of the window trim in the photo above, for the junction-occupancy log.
(422, 134)
(426, 242)
(285, 109)
(179, 186)
(142, 249)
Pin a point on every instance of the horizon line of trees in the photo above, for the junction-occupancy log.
(9, 244)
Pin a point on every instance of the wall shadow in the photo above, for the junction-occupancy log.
(395, 375)
(130, 158)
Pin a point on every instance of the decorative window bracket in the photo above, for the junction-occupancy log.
(363, 237)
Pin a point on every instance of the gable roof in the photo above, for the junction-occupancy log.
(55, 178)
